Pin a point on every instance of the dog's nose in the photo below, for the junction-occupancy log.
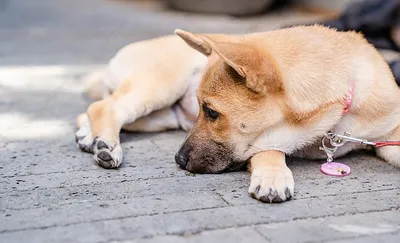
(181, 159)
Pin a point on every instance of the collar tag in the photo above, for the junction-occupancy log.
(335, 169)
(329, 147)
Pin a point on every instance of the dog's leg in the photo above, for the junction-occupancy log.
(98, 116)
(391, 154)
(271, 179)
(131, 101)
(156, 121)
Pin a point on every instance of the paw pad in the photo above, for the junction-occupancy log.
(103, 155)
(102, 145)
(107, 156)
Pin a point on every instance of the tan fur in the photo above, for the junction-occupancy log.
(94, 87)
(275, 93)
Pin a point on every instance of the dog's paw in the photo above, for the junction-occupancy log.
(106, 155)
(272, 185)
(84, 139)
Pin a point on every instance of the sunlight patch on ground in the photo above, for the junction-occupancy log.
(45, 78)
(16, 126)
(364, 230)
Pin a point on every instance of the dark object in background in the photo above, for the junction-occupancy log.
(395, 66)
(232, 7)
(378, 20)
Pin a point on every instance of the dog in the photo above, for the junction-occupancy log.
(245, 99)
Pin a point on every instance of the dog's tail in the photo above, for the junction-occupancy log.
(94, 85)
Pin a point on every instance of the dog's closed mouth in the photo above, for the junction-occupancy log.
(212, 169)
(239, 166)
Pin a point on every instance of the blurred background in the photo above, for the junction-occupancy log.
(52, 32)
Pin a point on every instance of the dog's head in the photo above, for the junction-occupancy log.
(239, 97)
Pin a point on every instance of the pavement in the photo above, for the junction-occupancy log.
(52, 192)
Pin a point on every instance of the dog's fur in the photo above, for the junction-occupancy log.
(259, 96)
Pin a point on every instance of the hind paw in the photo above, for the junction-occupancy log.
(84, 139)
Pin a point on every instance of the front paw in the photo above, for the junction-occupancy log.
(272, 184)
(106, 155)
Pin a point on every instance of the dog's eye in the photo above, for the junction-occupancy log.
(210, 113)
(213, 114)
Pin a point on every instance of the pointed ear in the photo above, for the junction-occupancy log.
(196, 41)
(257, 67)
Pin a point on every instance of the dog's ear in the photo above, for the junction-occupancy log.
(257, 67)
(196, 41)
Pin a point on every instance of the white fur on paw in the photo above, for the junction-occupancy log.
(82, 132)
(84, 139)
(272, 185)
(106, 155)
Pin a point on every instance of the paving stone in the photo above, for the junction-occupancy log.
(347, 227)
(233, 235)
(61, 215)
(195, 221)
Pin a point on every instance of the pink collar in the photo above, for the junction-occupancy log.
(349, 98)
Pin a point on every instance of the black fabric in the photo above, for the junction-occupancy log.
(374, 18)
(395, 66)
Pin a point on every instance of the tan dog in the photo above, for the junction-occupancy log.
(261, 96)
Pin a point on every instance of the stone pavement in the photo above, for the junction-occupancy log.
(52, 192)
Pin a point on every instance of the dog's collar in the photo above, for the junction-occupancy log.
(348, 99)
(330, 167)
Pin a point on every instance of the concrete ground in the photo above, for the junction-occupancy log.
(52, 192)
